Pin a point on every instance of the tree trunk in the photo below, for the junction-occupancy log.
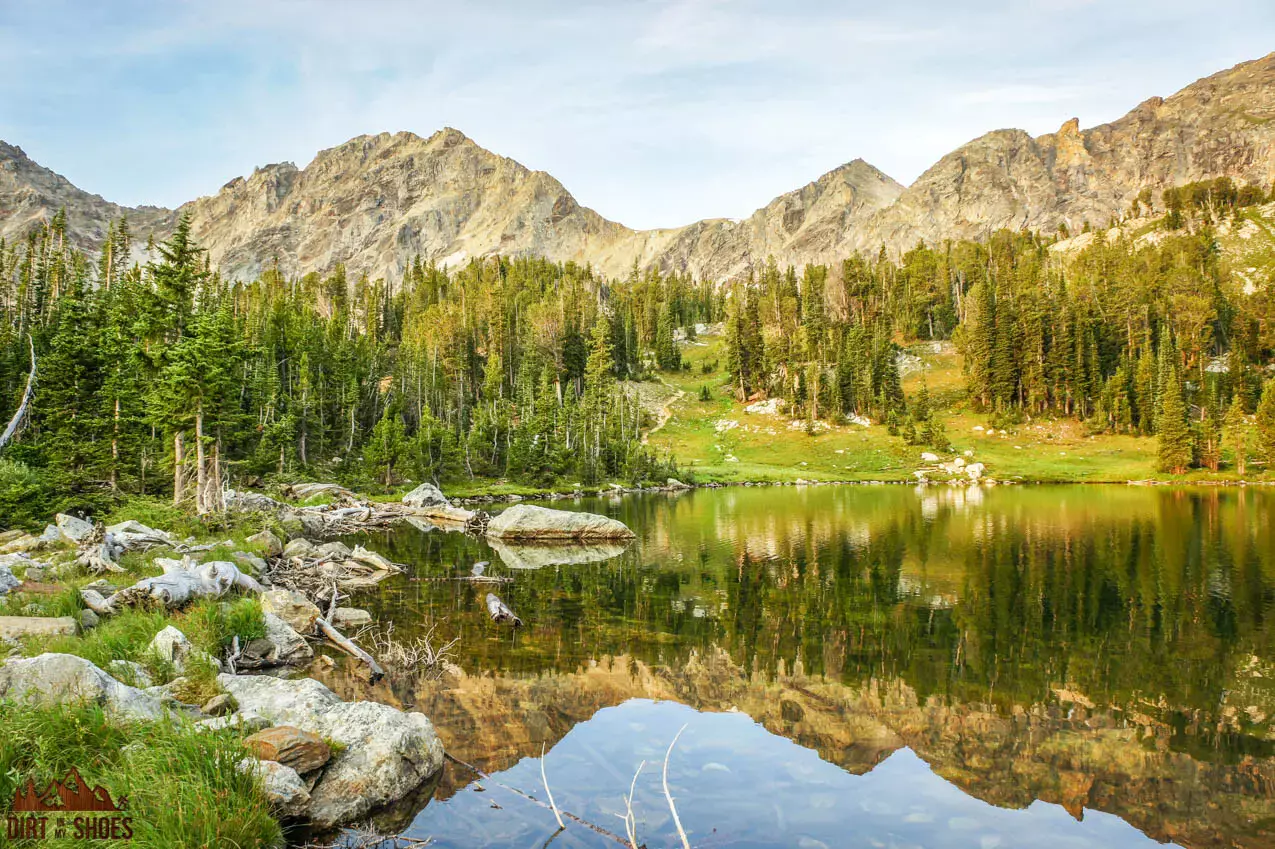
(115, 448)
(179, 467)
(201, 471)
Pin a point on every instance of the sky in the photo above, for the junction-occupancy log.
(654, 113)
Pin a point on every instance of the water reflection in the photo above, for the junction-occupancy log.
(1094, 649)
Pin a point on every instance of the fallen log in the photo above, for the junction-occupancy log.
(501, 612)
(24, 406)
(182, 582)
(347, 645)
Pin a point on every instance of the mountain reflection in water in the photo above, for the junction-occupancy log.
(863, 666)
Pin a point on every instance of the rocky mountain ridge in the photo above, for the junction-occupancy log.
(375, 202)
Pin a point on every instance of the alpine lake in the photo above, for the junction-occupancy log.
(852, 666)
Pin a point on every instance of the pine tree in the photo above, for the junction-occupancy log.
(1266, 423)
(1235, 431)
(1171, 426)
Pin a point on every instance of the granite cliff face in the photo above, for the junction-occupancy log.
(1220, 126)
(377, 201)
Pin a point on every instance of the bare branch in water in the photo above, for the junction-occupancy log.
(630, 821)
(549, 792)
(686, 844)
(366, 837)
(410, 657)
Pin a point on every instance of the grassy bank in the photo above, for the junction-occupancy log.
(716, 440)
(181, 785)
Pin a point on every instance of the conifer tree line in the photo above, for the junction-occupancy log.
(160, 377)
(1151, 337)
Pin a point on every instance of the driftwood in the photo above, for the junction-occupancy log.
(347, 645)
(182, 582)
(25, 406)
(501, 612)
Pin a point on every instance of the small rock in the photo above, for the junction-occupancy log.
(172, 646)
(245, 722)
(929, 457)
(293, 608)
(350, 617)
(130, 672)
(270, 544)
(301, 547)
(88, 619)
(73, 529)
(285, 790)
(7, 580)
(35, 574)
(335, 550)
(219, 705)
(290, 746)
(250, 562)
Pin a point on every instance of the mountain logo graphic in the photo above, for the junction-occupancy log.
(70, 794)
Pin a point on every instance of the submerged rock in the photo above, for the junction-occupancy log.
(51, 679)
(525, 521)
(350, 617)
(385, 754)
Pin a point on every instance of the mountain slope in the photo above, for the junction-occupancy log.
(1220, 126)
(31, 194)
(376, 201)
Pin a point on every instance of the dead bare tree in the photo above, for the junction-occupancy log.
(24, 408)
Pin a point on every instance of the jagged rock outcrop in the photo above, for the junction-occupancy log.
(376, 201)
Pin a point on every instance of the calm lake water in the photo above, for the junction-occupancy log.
(869, 666)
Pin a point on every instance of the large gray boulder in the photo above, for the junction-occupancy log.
(51, 679)
(384, 754)
(40, 627)
(73, 529)
(426, 495)
(527, 522)
(293, 608)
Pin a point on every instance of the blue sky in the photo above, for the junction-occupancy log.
(654, 113)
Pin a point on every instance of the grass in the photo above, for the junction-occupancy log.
(182, 786)
(768, 448)
(209, 624)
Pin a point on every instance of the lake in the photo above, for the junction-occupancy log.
(875, 666)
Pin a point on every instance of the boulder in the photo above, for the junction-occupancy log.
(269, 544)
(426, 495)
(525, 521)
(293, 608)
(7, 580)
(385, 754)
(929, 457)
(350, 617)
(51, 679)
(219, 705)
(171, 646)
(674, 483)
(73, 529)
(290, 746)
(132, 531)
(17, 627)
(975, 471)
(88, 619)
(285, 790)
(282, 646)
(301, 547)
